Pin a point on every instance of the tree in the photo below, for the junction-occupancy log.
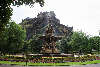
(35, 44)
(64, 45)
(6, 10)
(27, 2)
(95, 43)
(3, 42)
(79, 42)
(14, 37)
(90, 44)
(5, 15)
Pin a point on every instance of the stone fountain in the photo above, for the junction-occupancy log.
(49, 41)
(49, 49)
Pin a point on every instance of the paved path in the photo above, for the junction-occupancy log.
(88, 65)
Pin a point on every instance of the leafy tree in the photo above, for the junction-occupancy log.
(13, 38)
(5, 15)
(79, 42)
(90, 44)
(27, 2)
(95, 43)
(16, 36)
(35, 44)
(64, 45)
(3, 42)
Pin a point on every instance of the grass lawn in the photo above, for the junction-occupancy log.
(50, 64)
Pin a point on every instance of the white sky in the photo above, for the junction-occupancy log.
(81, 14)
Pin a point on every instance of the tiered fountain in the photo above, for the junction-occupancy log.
(49, 50)
(49, 41)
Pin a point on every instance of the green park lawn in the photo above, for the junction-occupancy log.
(50, 64)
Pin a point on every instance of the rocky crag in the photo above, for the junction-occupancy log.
(38, 25)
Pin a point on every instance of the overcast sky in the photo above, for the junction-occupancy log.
(81, 14)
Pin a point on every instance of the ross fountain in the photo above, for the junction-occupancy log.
(49, 50)
(49, 41)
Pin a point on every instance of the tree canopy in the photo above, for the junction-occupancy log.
(94, 42)
(79, 42)
(12, 39)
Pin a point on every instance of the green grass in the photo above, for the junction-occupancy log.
(51, 64)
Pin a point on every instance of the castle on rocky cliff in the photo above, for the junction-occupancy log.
(38, 25)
